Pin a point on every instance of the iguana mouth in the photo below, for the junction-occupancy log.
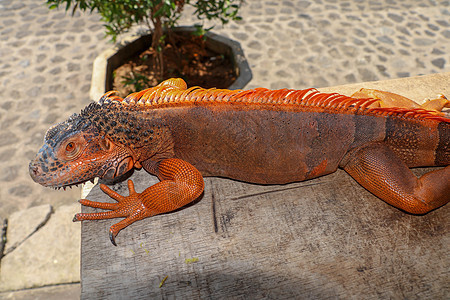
(64, 187)
(40, 175)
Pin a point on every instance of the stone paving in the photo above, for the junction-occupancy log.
(46, 60)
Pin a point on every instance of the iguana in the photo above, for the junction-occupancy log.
(261, 136)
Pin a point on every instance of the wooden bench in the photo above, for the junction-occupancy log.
(322, 238)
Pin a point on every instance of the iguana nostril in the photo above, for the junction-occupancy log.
(34, 170)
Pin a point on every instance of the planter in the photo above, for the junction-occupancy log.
(109, 60)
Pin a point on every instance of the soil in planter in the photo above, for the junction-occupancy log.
(185, 56)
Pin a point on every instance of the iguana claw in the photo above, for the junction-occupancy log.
(112, 237)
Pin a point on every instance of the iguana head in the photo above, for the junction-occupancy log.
(77, 150)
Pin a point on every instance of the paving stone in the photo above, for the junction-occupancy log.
(241, 36)
(381, 68)
(38, 261)
(443, 23)
(295, 24)
(24, 223)
(446, 33)
(66, 292)
(438, 62)
(405, 44)
(413, 25)
(283, 74)
(73, 67)
(437, 51)
(385, 39)
(40, 57)
(7, 138)
(424, 18)
(255, 45)
(404, 52)
(360, 33)
(279, 84)
(21, 190)
(57, 59)
(348, 50)
(433, 27)
(9, 173)
(385, 50)
(42, 33)
(395, 17)
(429, 33)
(403, 74)
(423, 41)
(34, 91)
(403, 30)
(22, 34)
(16, 6)
(367, 75)
(55, 71)
(61, 46)
(358, 42)
(320, 81)
(24, 63)
(419, 63)
(7, 154)
(39, 79)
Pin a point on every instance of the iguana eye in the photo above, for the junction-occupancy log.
(70, 146)
(72, 149)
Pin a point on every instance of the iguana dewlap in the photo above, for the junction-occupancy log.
(259, 136)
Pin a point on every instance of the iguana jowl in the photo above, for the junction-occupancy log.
(260, 136)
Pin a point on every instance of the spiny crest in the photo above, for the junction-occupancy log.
(417, 113)
(74, 122)
(92, 109)
(175, 91)
(53, 130)
(121, 125)
(62, 130)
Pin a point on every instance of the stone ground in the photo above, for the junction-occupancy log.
(45, 71)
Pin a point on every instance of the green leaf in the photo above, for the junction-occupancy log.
(120, 15)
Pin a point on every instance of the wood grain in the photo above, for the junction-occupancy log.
(317, 239)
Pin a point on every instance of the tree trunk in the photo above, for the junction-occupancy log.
(156, 43)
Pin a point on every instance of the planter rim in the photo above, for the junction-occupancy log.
(100, 65)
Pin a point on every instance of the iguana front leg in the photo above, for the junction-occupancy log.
(377, 168)
(180, 184)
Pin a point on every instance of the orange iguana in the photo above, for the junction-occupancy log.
(260, 136)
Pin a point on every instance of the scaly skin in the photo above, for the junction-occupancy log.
(258, 136)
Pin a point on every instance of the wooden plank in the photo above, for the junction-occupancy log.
(323, 238)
